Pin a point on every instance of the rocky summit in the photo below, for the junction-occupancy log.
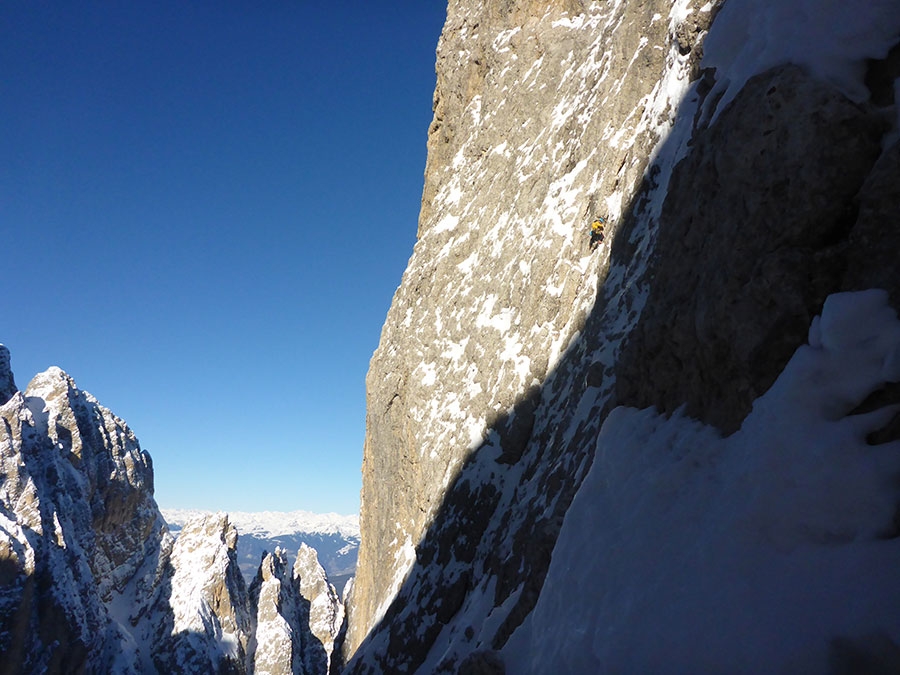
(742, 156)
(92, 580)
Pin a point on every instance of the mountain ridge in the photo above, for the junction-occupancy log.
(95, 582)
(335, 538)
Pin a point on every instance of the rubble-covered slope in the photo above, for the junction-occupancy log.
(741, 188)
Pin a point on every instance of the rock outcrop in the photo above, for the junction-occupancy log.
(737, 201)
(92, 580)
(208, 603)
(334, 538)
(298, 615)
(279, 612)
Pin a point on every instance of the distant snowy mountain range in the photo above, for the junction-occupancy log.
(334, 537)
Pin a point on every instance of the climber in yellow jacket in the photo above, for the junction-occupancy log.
(597, 230)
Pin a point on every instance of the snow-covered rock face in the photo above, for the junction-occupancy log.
(326, 611)
(334, 537)
(90, 578)
(298, 615)
(545, 117)
(278, 614)
(739, 197)
(210, 612)
(82, 541)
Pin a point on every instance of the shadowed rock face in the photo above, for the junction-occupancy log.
(761, 222)
(874, 240)
(7, 381)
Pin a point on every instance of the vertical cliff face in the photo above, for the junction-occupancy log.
(92, 581)
(545, 117)
(741, 188)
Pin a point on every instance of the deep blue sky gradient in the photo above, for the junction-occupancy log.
(206, 208)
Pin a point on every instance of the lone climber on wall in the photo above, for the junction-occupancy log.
(597, 231)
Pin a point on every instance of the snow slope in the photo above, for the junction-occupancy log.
(751, 553)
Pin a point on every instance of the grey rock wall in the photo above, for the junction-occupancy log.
(545, 116)
(510, 338)
(756, 232)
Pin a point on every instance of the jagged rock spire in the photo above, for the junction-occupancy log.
(7, 381)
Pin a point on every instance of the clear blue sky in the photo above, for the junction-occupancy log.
(206, 208)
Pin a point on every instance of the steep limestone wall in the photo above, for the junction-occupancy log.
(545, 116)
(510, 339)
(760, 225)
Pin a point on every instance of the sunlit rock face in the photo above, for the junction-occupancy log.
(298, 615)
(326, 611)
(545, 117)
(511, 338)
(207, 624)
(279, 613)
